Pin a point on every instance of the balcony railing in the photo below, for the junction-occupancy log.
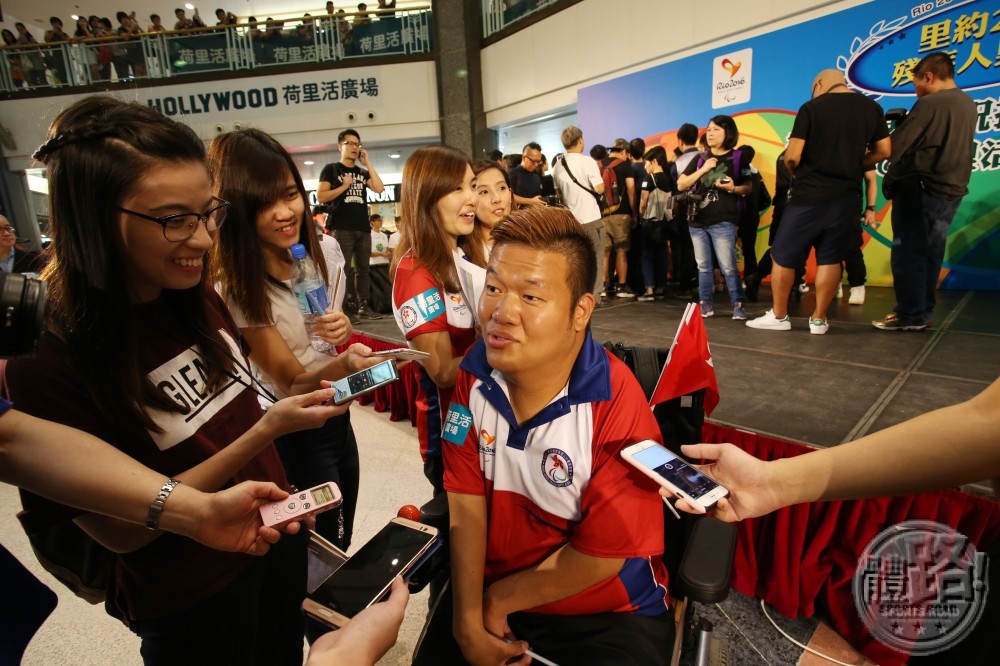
(498, 14)
(174, 54)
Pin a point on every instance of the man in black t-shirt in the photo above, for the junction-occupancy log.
(525, 181)
(344, 186)
(837, 136)
(619, 225)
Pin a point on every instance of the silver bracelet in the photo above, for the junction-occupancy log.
(156, 508)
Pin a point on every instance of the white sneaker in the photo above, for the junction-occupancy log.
(857, 295)
(818, 326)
(803, 288)
(838, 292)
(770, 322)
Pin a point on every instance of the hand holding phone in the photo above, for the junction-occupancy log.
(301, 505)
(697, 489)
(366, 576)
(365, 381)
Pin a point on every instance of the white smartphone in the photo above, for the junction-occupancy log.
(403, 354)
(365, 578)
(365, 381)
(661, 465)
(300, 504)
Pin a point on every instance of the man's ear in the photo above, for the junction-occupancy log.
(582, 311)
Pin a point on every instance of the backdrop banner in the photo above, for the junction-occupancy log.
(763, 81)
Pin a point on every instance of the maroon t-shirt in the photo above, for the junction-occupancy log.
(172, 573)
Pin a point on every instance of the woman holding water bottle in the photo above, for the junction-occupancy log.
(253, 265)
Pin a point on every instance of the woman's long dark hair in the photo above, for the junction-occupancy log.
(98, 149)
(249, 168)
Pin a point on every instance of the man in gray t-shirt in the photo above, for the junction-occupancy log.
(931, 163)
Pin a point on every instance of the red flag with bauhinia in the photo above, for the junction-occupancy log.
(689, 364)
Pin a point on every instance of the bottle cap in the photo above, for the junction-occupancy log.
(298, 251)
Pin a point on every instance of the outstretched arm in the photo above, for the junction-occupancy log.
(58, 462)
(940, 449)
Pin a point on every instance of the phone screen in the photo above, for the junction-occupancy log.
(352, 385)
(369, 572)
(676, 471)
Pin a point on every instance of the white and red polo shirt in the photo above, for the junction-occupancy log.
(559, 478)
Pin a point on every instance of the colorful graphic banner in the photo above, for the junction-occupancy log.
(763, 81)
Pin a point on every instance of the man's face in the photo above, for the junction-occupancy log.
(179, 14)
(529, 321)
(350, 147)
(377, 224)
(531, 160)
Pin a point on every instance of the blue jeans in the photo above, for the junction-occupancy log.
(722, 237)
(919, 233)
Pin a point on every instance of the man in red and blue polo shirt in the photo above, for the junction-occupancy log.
(555, 540)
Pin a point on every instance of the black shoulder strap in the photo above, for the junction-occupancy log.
(573, 178)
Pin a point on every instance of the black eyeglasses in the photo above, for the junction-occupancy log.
(178, 227)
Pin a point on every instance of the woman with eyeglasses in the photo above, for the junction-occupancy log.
(252, 264)
(12, 259)
(140, 351)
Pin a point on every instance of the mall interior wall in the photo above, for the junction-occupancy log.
(539, 69)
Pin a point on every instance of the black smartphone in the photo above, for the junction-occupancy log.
(365, 381)
(365, 578)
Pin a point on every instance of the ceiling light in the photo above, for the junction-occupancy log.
(189, 6)
(309, 163)
(394, 156)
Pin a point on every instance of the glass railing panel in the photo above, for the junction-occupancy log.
(175, 54)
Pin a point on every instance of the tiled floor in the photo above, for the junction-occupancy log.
(820, 390)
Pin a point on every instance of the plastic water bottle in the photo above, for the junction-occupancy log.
(307, 284)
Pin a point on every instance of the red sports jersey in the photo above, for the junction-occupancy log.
(421, 306)
(559, 478)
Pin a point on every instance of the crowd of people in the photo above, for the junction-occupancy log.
(173, 334)
(32, 68)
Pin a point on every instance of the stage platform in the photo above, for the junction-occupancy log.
(820, 390)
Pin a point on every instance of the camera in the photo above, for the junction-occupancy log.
(22, 300)
(553, 200)
(686, 205)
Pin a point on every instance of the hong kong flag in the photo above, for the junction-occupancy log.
(689, 364)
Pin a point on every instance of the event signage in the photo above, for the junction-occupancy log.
(875, 45)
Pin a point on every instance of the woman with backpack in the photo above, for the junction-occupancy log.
(141, 352)
(717, 181)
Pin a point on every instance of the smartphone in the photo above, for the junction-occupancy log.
(322, 558)
(403, 354)
(364, 579)
(300, 504)
(658, 463)
(365, 381)
(726, 180)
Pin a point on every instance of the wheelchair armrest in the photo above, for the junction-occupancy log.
(707, 565)
(435, 514)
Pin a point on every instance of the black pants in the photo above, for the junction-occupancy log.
(604, 639)
(330, 453)
(747, 232)
(854, 261)
(356, 245)
(685, 268)
(256, 619)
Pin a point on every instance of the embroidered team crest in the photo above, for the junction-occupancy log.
(557, 468)
(409, 316)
